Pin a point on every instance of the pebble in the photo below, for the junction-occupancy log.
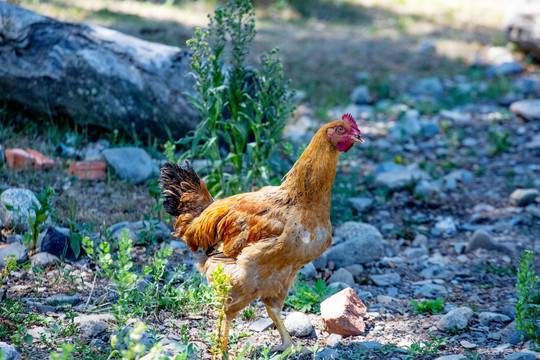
(481, 239)
(327, 354)
(343, 276)
(308, 271)
(523, 197)
(130, 163)
(467, 344)
(44, 259)
(445, 225)
(261, 324)
(17, 249)
(457, 319)
(334, 340)
(363, 244)
(399, 179)
(38, 332)
(10, 352)
(431, 291)
(360, 95)
(361, 205)
(487, 318)
(387, 279)
(452, 357)
(20, 201)
(431, 86)
(505, 69)
(298, 324)
(520, 356)
(528, 109)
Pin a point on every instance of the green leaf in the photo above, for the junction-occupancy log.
(27, 238)
(28, 339)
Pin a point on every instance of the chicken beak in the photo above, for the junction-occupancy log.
(358, 138)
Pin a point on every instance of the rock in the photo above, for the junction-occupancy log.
(445, 225)
(360, 95)
(505, 69)
(399, 179)
(95, 330)
(528, 109)
(456, 116)
(467, 344)
(457, 319)
(343, 313)
(86, 320)
(342, 275)
(384, 280)
(61, 299)
(57, 243)
(19, 201)
(44, 259)
(523, 197)
(321, 261)
(355, 269)
(308, 271)
(520, 356)
(510, 335)
(521, 24)
(427, 47)
(334, 340)
(534, 144)
(38, 332)
(17, 249)
(452, 357)
(129, 163)
(361, 205)
(426, 188)
(327, 354)
(430, 86)
(298, 324)
(481, 239)
(460, 175)
(363, 244)
(486, 318)
(142, 231)
(533, 210)
(9, 351)
(261, 324)
(338, 286)
(388, 166)
(365, 345)
(431, 291)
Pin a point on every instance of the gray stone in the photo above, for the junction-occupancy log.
(17, 249)
(487, 317)
(308, 271)
(360, 95)
(399, 179)
(520, 356)
(361, 205)
(334, 340)
(533, 210)
(387, 167)
(367, 345)
(56, 241)
(528, 109)
(363, 244)
(60, 299)
(355, 269)
(38, 332)
(456, 116)
(430, 86)
(20, 201)
(343, 276)
(261, 324)
(534, 144)
(321, 261)
(327, 354)
(505, 69)
(388, 279)
(452, 357)
(431, 291)
(467, 344)
(481, 239)
(430, 128)
(298, 324)
(129, 163)
(10, 352)
(460, 175)
(523, 197)
(445, 225)
(426, 188)
(43, 259)
(457, 319)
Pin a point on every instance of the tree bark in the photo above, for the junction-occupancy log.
(94, 75)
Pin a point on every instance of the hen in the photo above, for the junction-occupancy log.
(264, 237)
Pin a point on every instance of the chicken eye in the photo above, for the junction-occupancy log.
(340, 129)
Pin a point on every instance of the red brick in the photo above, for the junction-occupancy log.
(89, 170)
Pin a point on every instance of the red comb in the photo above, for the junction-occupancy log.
(350, 119)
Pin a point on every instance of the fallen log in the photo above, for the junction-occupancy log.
(94, 75)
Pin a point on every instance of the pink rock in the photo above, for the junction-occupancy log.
(343, 313)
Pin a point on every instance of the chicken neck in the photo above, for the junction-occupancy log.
(311, 178)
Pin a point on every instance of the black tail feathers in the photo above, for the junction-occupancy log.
(183, 190)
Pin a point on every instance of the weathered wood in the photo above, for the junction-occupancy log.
(94, 75)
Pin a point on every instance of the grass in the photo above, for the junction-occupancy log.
(428, 306)
(308, 298)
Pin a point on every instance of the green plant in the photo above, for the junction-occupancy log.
(244, 108)
(221, 287)
(420, 348)
(130, 347)
(306, 298)
(428, 306)
(527, 312)
(37, 215)
(67, 353)
(501, 142)
(11, 265)
(248, 313)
